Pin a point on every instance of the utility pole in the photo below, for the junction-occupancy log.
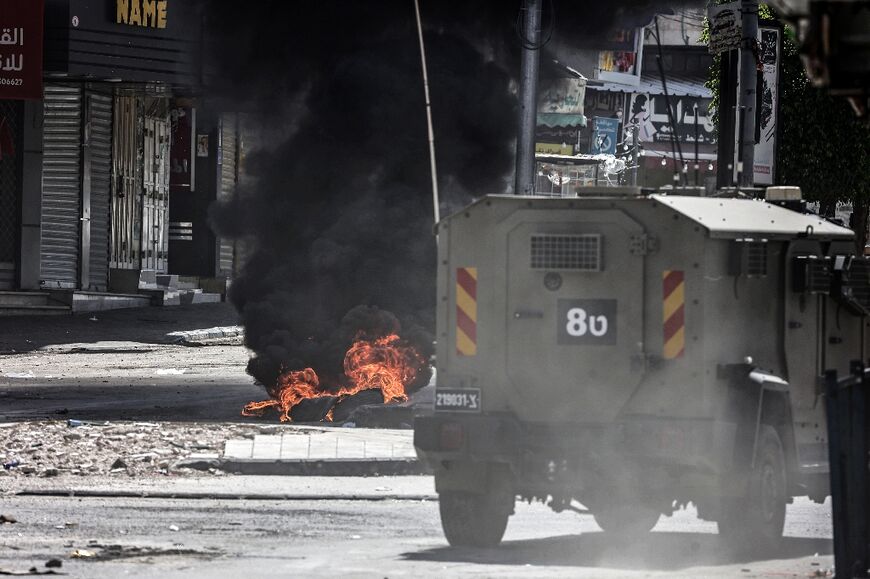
(635, 152)
(748, 87)
(530, 34)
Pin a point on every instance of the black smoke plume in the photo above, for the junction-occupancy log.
(336, 205)
(338, 210)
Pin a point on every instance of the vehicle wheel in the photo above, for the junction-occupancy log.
(472, 519)
(629, 519)
(755, 522)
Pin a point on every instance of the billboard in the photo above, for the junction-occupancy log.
(691, 119)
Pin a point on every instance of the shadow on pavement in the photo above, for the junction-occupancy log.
(145, 325)
(657, 552)
(200, 401)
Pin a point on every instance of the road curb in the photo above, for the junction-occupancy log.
(97, 493)
(196, 337)
(312, 467)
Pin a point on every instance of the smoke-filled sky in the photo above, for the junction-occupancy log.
(336, 205)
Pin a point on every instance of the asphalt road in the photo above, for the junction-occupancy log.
(393, 537)
(122, 366)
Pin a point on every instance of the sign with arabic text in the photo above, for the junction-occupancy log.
(692, 119)
(563, 96)
(726, 27)
(21, 49)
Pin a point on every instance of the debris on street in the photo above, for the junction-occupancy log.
(50, 448)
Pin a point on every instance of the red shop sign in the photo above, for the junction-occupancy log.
(21, 49)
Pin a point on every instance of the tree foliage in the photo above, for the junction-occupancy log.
(823, 148)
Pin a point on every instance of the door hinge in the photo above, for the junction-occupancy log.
(643, 244)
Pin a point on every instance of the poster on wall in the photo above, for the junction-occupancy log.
(21, 49)
(620, 56)
(770, 54)
(604, 137)
(765, 149)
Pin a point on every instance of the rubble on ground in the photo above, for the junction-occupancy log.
(51, 448)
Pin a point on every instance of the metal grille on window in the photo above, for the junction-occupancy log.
(756, 259)
(567, 252)
(812, 274)
(9, 155)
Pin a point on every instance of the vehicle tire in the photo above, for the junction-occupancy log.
(755, 522)
(473, 519)
(628, 519)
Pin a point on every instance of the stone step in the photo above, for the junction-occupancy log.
(10, 298)
(147, 276)
(187, 282)
(167, 280)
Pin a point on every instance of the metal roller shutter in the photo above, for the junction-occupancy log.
(61, 186)
(100, 161)
(228, 186)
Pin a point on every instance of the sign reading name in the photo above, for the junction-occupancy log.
(21, 49)
(144, 13)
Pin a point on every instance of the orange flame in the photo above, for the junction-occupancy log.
(387, 364)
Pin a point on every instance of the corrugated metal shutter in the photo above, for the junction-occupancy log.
(61, 186)
(228, 185)
(100, 119)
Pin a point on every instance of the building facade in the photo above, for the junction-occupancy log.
(108, 166)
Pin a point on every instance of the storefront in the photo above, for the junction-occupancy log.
(85, 163)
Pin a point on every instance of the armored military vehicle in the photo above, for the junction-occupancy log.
(634, 353)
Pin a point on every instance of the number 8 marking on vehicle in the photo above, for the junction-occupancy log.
(578, 325)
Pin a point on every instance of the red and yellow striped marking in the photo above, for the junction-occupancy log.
(674, 317)
(466, 311)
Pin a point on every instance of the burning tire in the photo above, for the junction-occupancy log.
(626, 519)
(755, 522)
(474, 520)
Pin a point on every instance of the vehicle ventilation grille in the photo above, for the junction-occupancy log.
(756, 259)
(567, 252)
(812, 274)
(859, 281)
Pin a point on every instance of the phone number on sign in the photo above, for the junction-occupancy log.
(11, 81)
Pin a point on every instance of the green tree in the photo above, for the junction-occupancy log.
(823, 148)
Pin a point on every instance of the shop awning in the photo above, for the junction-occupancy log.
(652, 84)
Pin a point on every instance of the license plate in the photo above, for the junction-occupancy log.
(457, 400)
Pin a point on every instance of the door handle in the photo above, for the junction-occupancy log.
(534, 314)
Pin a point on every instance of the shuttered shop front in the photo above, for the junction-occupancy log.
(99, 168)
(61, 186)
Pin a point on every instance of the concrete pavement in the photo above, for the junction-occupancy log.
(313, 450)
